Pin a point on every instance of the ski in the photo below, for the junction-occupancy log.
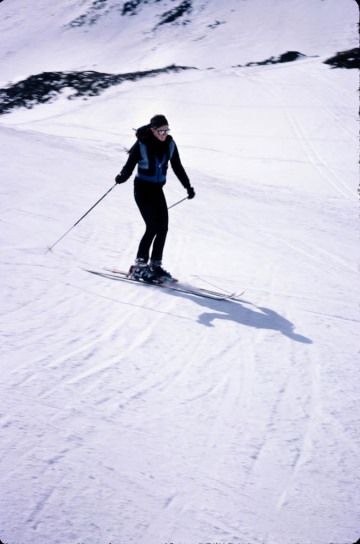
(173, 286)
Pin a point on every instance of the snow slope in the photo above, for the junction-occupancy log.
(131, 414)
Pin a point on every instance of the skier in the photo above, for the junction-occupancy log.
(151, 153)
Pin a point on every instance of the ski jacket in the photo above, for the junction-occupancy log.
(152, 158)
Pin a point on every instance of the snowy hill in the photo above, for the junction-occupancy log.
(132, 414)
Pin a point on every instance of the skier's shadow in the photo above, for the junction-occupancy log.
(245, 314)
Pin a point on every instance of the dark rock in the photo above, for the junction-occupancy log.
(174, 14)
(345, 59)
(45, 87)
(289, 56)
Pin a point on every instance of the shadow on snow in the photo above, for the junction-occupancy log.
(258, 317)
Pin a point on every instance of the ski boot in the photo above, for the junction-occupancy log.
(159, 272)
(142, 271)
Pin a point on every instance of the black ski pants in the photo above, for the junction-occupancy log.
(150, 199)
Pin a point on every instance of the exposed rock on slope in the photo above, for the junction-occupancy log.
(45, 87)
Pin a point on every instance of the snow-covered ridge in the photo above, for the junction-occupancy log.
(121, 37)
(100, 8)
(45, 88)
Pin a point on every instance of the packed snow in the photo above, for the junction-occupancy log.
(132, 414)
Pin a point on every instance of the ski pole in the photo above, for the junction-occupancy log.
(176, 203)
(81, 218)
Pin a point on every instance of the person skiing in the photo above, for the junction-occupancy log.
(152, 151)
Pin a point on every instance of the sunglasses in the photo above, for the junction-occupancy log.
(162, 132)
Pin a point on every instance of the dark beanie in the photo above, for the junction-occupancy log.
(158, 121)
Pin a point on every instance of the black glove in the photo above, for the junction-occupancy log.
(191, 192)
(119, 179)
